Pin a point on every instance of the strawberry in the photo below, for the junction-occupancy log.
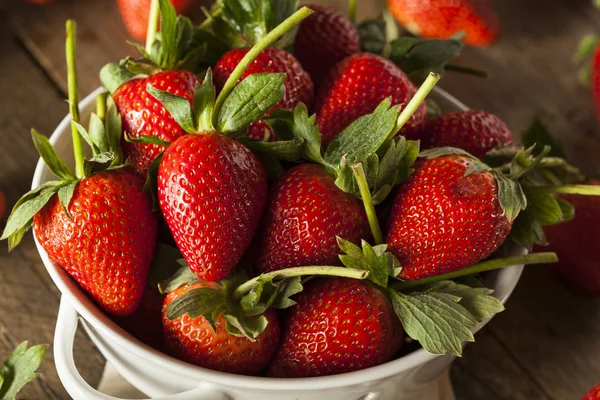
(443, 19)
(442, 220)
(305, 213)
(145, 323)
(355, 87)
(210, 345)
(142, 114)
(593, 393)
(338, 325)
(323, 40)
(135, 14)
(476, 132)
(578, 253)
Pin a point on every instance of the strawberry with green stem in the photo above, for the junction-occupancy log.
(97, 224)
(211, 188)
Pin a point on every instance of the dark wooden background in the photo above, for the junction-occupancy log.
(545, 346)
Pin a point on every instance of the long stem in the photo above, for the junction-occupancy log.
(302, 271)
(152, 24)
(415, 102)
(352, 10)
(101, 105)
(271, 37)
(528, 259)
(73, 96)
(586, 190)
(365, 193)
(466, 70)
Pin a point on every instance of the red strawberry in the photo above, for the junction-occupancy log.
(262, 131)
(442, 220)
(595, 75)
(338, 325)
(142, 114)
(195, 341)
(305, 213)
(442, 19)
(107, 243)
(145, 323)
(323, 40)
(593, 393)
(476, 132)
(578, 253)
(298, 85)
(135, 14)
(356, 87)
(212, 191)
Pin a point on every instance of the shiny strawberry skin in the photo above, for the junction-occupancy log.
(298, 84)
(338, 325)
(442, 220)
(135, 14)
(142, 114)
(595, 74)
(575, 243)
(108, 243)
(212, 191)
(145, 324)
(193, 340)
(355, 87)
(324, 39)
(305, 213)
(443, 19)
(593, 393)
(474, 131)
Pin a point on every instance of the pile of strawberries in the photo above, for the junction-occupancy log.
(268, 192)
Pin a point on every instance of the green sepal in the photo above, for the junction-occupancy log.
(375, 259)
(270, 292)
(289, 150)
(65, 194)
(20, 368)
(114, 131)
(98, 163)
(145, 139)
(167, 53)
(114, 75)
(510, 196)
(179, 108)
(537, 135)
(98, 135)
(204, 103)
(151, 184)
(183, 275)
(166, 263)
(372, 34)
(305, 127)
(51, 159)
(249, 101)
(444, 151)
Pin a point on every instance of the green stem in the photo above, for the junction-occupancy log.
(302, 271)
(152, 25)
(365, 193)
(73, 97)
(352, 11)
(528, 259)
(210, 18)
(415, 102)
(271, 37)
(101, 105)
(466, 70)
(586, 190)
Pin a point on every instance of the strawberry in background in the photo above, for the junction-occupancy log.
(135, 14)
(443, 19)
(588, 55)
(593, 394)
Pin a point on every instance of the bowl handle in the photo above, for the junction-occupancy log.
(78, 388)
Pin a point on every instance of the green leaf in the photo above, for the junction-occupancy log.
(20, 369)
(344, 177)
(165, 264)
(544, 207)
(98, 135)
(204, 103)
(288, 150)
(372, 35)
(86, 136)
(250, 100)
(270, 292)
(444, 151)
(65, 194)
(201, 301)
(51, 159)
(510, 196)
(113, 123)
(435, 319)
(183, 274)
(22, 216)
(567, 209)
(179, 107)
(364, 136)
(281, 10)
(537, 135)
(113, 76)
(243, 326)
(305, 127)
(168, 34)
(145, 139)
(140, 66)
(586, 49)
(395, 166)
(98, 163)
(151, 184)
(380, 264)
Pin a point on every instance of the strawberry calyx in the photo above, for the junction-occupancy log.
(103, 136)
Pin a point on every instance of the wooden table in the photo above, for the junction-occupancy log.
(545, 346)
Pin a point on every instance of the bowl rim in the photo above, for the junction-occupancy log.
(103, 324)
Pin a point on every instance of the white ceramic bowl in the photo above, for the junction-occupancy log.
(161, 376)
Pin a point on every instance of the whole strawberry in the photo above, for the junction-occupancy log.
(135, 14)
(592, 394)
(476, 132)
(443, 19)
(324, 39)
(443, 220)
(305, 213)
(338, 325)
(194, 340)
(143, 115)
(355, 87)
(577, 254)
